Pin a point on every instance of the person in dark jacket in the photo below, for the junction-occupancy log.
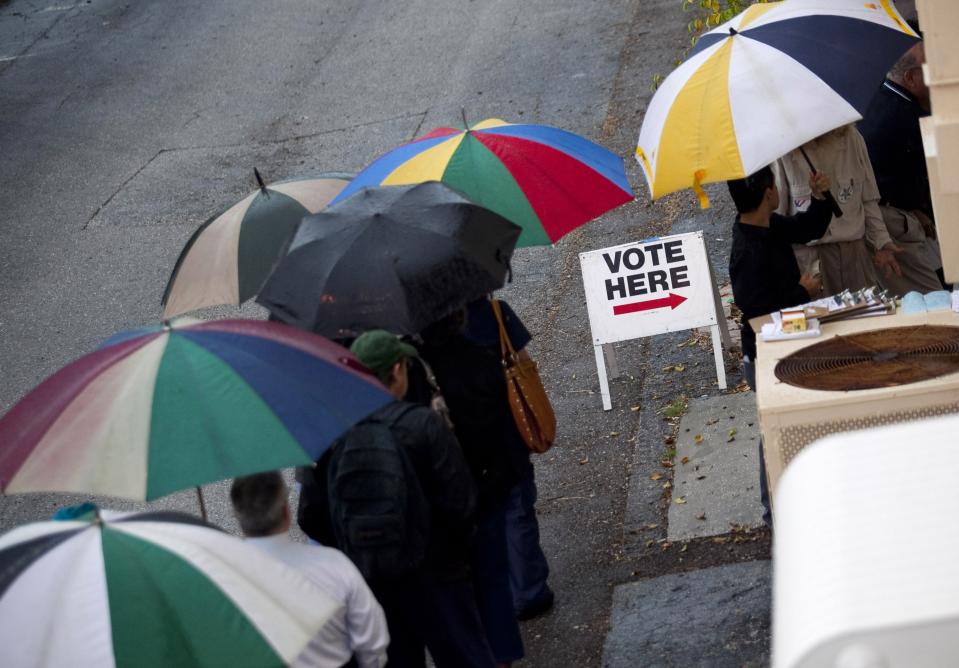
(762, 266)
(893, 138)
(436, 606)
(528, 568)
(471, 380)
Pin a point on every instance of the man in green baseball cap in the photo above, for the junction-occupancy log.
(384, 354)
(411, 540)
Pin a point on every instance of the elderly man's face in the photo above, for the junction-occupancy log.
(912, 78)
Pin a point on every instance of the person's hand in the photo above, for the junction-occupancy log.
(819, 184)
(812, 283)
(885, 259)
(928, 226)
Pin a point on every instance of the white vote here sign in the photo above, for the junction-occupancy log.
(658, 285)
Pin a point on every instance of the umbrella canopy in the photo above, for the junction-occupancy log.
(176, 406)
(764, 83)
(392, 258)
(229, 257)
(151, 589)
(547, 181)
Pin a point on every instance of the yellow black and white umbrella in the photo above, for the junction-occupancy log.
(767, 81)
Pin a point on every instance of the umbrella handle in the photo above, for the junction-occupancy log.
(833, 204)
(199, 497)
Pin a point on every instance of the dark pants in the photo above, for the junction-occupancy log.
(528, 568)
(442, 617)
(494, 597)
(749, 373)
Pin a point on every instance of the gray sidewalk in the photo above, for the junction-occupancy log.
(715, 617)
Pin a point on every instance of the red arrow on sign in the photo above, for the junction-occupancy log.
(672, 301)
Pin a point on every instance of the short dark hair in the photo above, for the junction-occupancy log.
(748, 193)
(258, 502)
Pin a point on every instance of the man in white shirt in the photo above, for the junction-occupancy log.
(260, 503)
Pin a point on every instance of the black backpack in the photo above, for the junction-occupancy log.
(378, 511)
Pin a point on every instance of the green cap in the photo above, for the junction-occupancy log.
(379, 350)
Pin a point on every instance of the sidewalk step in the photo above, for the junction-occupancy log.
(716, 617)
(718, 485)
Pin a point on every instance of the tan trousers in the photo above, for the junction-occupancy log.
(919, 258)
(842, 265)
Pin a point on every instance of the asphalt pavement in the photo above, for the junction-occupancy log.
(124, 125)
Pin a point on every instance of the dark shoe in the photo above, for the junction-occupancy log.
(536, 608)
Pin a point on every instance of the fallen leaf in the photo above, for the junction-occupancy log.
(652, 526)
(650, 543)
(666, 545)
(656, 475)
(732, 432)
(669, 440)
(697, 439)
(684, 547)
(680, 500)
(701, 516)
(721, 539)
(679, 367)
(613, 434)
(712, 421)
(667, 485)
(584, 460)
(665, 462)
(634, 408)
(684, 460)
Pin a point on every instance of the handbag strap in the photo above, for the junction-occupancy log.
(506, 346)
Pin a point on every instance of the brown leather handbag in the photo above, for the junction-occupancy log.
(531, 408)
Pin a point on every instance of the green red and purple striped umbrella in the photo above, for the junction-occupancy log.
(156, 589)
(176, 406)
(546, 180)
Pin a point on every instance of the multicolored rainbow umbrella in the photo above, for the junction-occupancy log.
(176, 406)
(758, 86)
(156, 589)
(547, 181)
(229, 256)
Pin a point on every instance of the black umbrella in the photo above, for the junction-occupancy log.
(395, 257)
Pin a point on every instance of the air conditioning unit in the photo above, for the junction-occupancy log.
(864, 551)
(794, 414)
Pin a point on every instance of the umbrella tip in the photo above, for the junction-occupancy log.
(259, 180)
(733, 31)
(466, 125)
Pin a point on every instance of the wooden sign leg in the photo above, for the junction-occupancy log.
(718, 355)
(603, 381)
(720, 314)
(611, 360)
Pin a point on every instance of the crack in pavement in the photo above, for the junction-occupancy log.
(274, 142)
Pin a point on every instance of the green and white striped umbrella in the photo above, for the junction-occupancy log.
(152, 589)
(229, 256)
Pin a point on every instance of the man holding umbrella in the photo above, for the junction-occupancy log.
(430, 603)
(842, 256)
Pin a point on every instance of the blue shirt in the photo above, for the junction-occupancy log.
(482, 328)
